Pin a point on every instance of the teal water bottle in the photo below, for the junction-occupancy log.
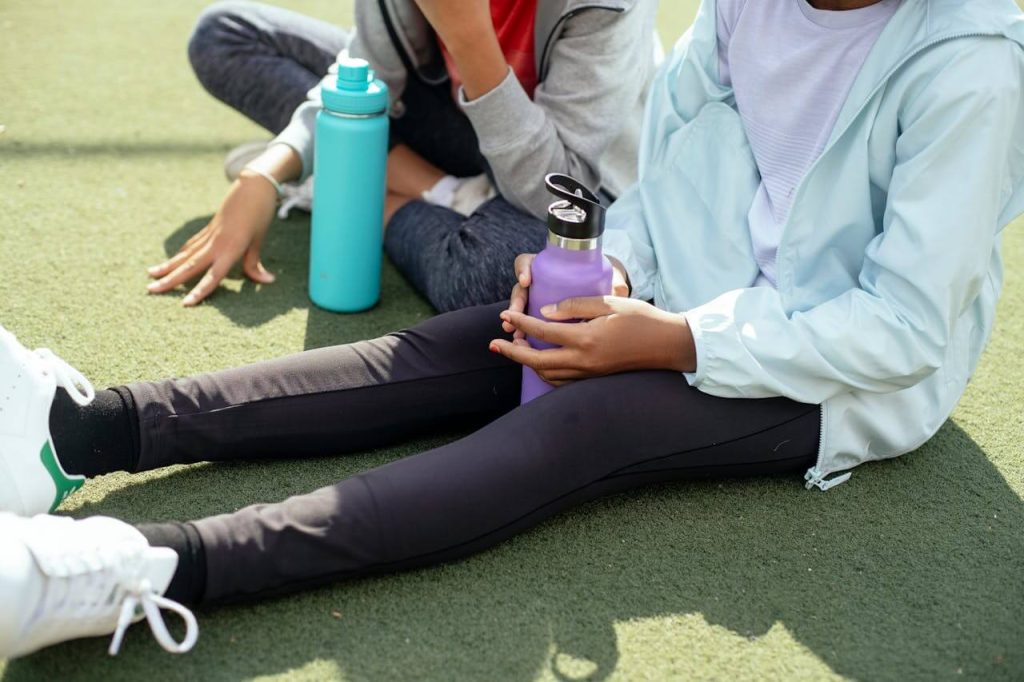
(349, 164)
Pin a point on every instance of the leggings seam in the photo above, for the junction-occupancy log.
(384, 566)
(152, 420)
(608, 476)
(615, 472)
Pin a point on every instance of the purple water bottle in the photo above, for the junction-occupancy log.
(571, 264)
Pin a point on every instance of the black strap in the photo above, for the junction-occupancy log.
(393, 34)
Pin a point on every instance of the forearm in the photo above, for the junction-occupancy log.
(280, 161)
(568, 122)
(478, 57)
(467, 30)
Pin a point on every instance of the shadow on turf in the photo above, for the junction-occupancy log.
(56, 148)
(910, 572)
(286, 253)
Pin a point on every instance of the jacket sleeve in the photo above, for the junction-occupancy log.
(957, 162)
(627, 239)
(597, 65)
(680, 90)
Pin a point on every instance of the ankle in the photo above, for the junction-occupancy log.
(96, 439)
(189, 582)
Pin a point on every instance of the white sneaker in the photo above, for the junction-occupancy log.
(64, 579)
(32, 480)
(241, 155)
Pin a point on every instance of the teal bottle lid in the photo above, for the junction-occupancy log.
(355, 91)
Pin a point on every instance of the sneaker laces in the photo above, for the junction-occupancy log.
(151, 602)
(68, 378)
(88, 594)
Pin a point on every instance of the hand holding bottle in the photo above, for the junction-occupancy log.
(615, 335)
(520, 292)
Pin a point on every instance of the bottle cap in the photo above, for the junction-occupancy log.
(578, 214)
(354, 91)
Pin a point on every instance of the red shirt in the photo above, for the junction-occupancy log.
(514, 25)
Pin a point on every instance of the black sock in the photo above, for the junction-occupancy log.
(189, 581)
(99, 438)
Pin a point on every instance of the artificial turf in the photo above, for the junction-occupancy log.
(110, 156)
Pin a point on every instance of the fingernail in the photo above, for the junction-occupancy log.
(152, 286)
(548, 310)
(189, 300)
(522, 280)
(153, 269)
(492, 348)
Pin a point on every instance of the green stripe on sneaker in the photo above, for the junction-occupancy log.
(65, 485)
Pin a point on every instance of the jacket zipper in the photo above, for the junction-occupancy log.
(815, 477)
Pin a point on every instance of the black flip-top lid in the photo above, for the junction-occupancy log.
(578, 214)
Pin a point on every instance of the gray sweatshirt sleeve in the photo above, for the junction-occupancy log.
(299, 133)
(598, 71)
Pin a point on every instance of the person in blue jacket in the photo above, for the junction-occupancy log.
(807, 273)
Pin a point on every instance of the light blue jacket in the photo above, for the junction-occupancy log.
(889, 265)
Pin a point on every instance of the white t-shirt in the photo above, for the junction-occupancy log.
(791, 67)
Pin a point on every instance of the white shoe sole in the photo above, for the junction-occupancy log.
(31, 479)
(238, 157)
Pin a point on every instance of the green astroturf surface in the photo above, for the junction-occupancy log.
(111, 156)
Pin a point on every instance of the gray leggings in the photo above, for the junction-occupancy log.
(261, 60)
(583, 440)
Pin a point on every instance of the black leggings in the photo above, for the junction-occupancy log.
(581, 441)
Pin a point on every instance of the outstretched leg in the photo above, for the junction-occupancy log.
(330, 400)
(574, 444)
(319, 402)
(586, 439)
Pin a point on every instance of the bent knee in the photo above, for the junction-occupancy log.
(213, 30)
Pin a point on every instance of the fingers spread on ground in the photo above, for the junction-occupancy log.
(254, 270)
(184, 272)
(206, 285)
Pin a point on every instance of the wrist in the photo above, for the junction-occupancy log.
(680, 347)
(252, 195)
(481, 65)
(252, 173)
(279, 161)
